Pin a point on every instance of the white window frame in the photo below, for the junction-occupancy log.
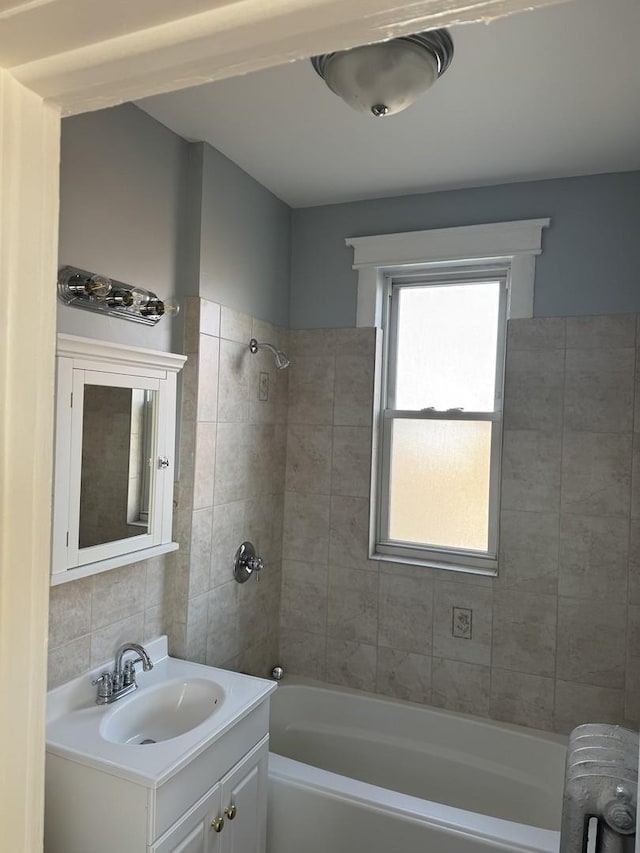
(509, 247)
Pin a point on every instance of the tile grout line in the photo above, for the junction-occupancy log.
(557, 633)
(627, 654)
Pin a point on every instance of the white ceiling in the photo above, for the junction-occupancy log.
(548, 93)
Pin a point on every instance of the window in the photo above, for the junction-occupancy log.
(443, 297)
(438, 460)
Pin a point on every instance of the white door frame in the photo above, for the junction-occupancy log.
(228, 39)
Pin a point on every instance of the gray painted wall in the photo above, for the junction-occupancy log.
(589, 265)
(245, 242)
(125, 212)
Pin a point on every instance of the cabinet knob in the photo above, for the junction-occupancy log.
(217, 824)
(231, 811)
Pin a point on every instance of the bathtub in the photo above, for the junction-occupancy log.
(352, 772)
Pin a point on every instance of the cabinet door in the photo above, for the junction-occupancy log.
(244, 803)
(194, 833)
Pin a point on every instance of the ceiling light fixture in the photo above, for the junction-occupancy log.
(386, 78)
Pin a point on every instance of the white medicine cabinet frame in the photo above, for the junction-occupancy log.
(506, 249)
(146, 381)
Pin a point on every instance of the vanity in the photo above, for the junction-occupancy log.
(179, 765)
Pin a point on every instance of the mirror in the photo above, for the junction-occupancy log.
(114, 466)
(115, 477)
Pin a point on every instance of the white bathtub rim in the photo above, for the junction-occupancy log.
(526, 732)
(504, 834)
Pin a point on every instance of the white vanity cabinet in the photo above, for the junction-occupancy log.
(230, 818)
(204, 791)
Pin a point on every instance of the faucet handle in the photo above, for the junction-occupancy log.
(105, 685)
(129, 672)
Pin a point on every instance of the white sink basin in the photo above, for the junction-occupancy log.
(162, 712)
(182, 707)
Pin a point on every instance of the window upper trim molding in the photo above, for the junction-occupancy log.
(516, 242)
(492, 240)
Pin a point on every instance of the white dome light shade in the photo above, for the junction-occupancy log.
(386, 78)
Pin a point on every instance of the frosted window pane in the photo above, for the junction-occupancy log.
(447, 339)
(439, 483)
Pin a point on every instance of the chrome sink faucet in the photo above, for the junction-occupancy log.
(122, 681)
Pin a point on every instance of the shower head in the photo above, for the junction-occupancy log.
(280, 358)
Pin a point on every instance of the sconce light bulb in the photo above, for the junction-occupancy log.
(98, 286)
(139, 297)
(171, 307)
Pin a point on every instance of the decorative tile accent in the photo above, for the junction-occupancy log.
(462, 622)
(263, 387)
(467, 638)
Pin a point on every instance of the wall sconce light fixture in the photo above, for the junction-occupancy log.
(95, 292)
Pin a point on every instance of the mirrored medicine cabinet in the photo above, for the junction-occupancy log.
(114, 448)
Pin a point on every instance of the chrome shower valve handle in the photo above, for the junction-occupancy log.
(247, 563)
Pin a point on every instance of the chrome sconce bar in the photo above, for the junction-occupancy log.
(95, 292)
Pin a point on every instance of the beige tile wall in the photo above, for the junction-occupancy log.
(556, 637)
(91, 617)
(230, 488)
